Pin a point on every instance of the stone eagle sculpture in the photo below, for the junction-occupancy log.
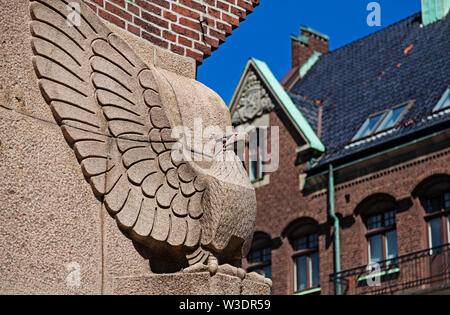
(117, 113)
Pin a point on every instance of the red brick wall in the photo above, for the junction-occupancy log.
(301, 52)
(281, 202)
(175, 24)
(316, 42)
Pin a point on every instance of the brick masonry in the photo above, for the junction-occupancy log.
(192, 28)
(281, 202)
(301, 52)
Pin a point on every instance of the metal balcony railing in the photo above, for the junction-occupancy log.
(422, 270)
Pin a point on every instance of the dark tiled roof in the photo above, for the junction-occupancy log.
(308, 108)
(399, 63)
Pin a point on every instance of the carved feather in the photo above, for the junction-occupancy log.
(106, 100)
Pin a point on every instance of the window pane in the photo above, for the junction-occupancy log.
(391, 244)
(261, 149)
(315, 274)
(253, 154)
(444, 101)
(300, 267)
(448, 229)
(392, 118)
(267, 256)
(433, 204)
(253, 170)
(435, 232)
(268, 272)
(368, 126)
(300, 243)
(447, 200)
(389, 218)
(254, 256)
(313, 241)
(374, 222)
(375, 249)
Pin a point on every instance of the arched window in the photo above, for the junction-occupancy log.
(378, 213)
(434, 194)
(260, 256)
(304, 238)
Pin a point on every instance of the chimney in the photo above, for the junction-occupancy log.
(304, 46)
(434, 10)
(305, 50)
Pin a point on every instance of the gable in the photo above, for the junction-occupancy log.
(258, 92)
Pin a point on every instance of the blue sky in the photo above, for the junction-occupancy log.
(265, 34)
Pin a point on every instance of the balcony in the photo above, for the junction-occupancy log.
(425, 271)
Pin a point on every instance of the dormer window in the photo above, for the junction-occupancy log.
(392, 117)
(444, 102)
(381, 121)
(369, 126)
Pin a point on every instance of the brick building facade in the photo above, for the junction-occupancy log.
(186, 27)
(363, 170)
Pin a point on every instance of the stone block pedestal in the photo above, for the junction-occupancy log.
(201, 283)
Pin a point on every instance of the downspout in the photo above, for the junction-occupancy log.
(337, 245)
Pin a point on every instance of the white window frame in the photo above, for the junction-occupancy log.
(448, 230)
(383, 115)
(430, 242)
(369, 248)
(388, 113)
(440, 105)
(308, 266)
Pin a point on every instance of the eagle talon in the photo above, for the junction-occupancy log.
(232, 271)
(241, 273)
(198, 267)
(213, 265)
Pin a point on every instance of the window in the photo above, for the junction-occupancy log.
(381, 121)
(369, 126)
(256, 153)
(260, 256)
(392, 117)
(382, 237)
(437, 208)
(448, 228)
(444, 102)
(435, 233)
(306, 259)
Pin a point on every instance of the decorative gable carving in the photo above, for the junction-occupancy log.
(254, 101)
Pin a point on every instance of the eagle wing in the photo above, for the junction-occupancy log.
(107, 102)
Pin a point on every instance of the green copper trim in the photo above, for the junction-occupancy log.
(336, 224)
(308, 29)
(380, 274)
(308, 291)
(290, 107)
(300, 38)
(309, 63)
(434, 10)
